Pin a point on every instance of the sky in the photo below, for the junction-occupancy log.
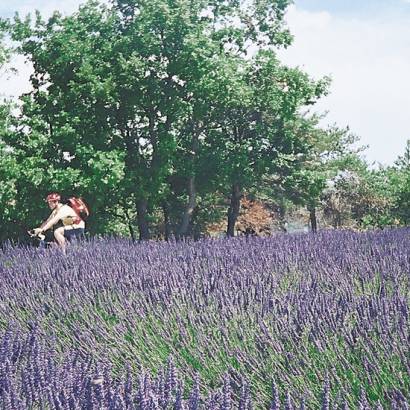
(363, 45)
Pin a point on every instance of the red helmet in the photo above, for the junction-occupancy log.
(53, 197)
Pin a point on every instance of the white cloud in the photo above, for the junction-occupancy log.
(13, 85)
(369, 62)
(47, 7)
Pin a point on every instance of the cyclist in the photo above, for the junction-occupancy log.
(73, 225)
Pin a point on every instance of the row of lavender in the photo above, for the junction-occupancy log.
(32, 377)
(326, 316)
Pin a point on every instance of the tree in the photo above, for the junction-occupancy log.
(258, 137)
(361, 198)
(130, 80)
(399, 180)
(153, 110)
(9, 167)
(328, 153)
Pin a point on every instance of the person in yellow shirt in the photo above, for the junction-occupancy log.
(73, 224)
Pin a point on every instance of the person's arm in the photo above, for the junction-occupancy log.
(50, 222)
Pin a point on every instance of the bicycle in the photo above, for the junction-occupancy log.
(39, 240)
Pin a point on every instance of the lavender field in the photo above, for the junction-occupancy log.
(292, 321)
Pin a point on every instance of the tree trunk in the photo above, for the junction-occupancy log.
(233, 211)
(167, 227)
(190, 206)
(130, 226)
(142, 219)
(313, 219)
(189, 209)
(130, 169)
(281, 209)
(195, 229)
(131, 229)
(337, 219)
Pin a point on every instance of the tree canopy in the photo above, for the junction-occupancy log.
(158, 112)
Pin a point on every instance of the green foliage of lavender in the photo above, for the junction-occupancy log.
(292, 320)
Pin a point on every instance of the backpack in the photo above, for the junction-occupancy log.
(79, 207)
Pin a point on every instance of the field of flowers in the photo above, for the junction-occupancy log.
(292, 321)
